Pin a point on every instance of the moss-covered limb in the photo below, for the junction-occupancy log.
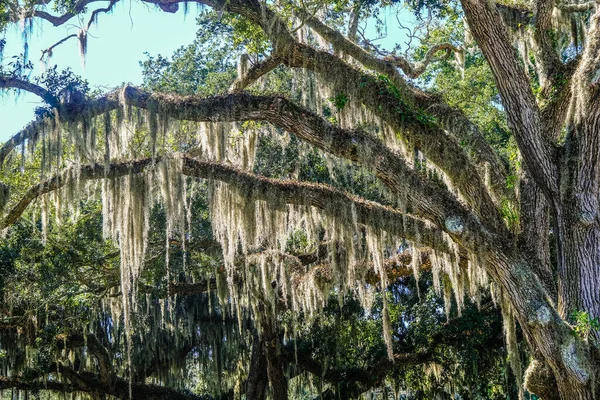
(119, 387)
(91, 383)
(341, 43)
(94, 347)
(7, 82)
(261, 68)
(383, 101)
(291, 192)
(415, 128)
(66, 113)
(452, 120)
(321, 197)
(95, 171)
(425, 198)
(20, 383)
(539, 154)
(345, 45)
(578, 7)
(465, 132)
(351, 382)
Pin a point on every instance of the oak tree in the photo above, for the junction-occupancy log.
(483, 226)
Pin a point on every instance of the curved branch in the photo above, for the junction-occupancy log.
(425, 136)
(67, 113)
(426, 199)
(341, 43)
(452, 120)
(414, 71)
(58, 20)
(50, 49)
(290, 192)
(93, 18)
(254, 73)
(21, 84)
(434, 143)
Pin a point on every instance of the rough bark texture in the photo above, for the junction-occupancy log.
(257, 377)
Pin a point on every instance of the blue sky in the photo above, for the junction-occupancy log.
(115, 47)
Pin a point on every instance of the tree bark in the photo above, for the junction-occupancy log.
(257, 377)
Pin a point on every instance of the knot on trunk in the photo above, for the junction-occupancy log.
(542, 316)
(540, 381)
(575, 361)
(454, 224)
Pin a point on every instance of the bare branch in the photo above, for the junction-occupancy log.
(414, 71)
(49, 50)
(21, 84)
(93, 19)
(258, 70)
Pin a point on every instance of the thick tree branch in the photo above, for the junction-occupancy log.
(452, 120)
(35, 385)
(346, 46)
(291, 192)
(56, 182)
(425, 199)
(549, 63)
(433, 142)
(119, 387)
(21, 84)
(522, 112)
(58, 20)
(256, 71)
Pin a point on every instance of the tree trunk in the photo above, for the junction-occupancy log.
(257, 377)
(535, 230)
(276, 368)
